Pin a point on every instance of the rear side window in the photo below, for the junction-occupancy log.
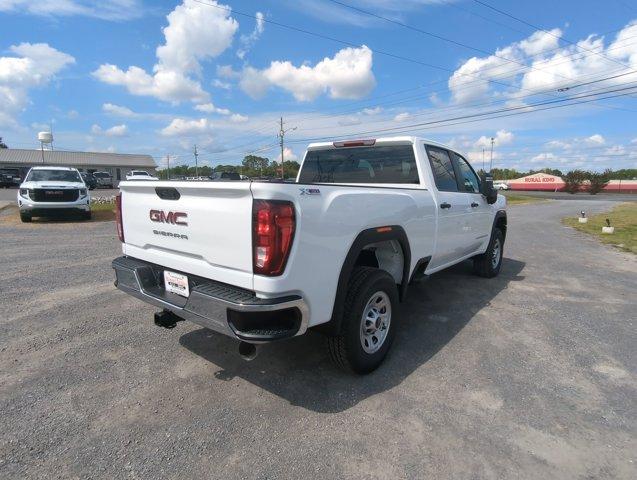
(389, 164)
(468, 179)
(442, 169)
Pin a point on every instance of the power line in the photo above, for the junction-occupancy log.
(476, 117)
(565, 40)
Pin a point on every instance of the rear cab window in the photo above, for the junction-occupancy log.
(388, 164)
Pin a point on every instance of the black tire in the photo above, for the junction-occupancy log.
(86, 215)
(25, 217)
(485, 265)
(347, 350)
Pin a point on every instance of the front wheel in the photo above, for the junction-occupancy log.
(488, 264)
(25, 217)
(369, 321)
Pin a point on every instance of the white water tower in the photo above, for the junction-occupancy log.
(45, 138)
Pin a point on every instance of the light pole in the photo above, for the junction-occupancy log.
(196, 165)
(491, 161)
(282, 133)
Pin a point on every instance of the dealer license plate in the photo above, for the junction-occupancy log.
(176, 283)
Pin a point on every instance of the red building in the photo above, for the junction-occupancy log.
(552, 183)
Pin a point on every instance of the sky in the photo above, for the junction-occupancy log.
(550, 82)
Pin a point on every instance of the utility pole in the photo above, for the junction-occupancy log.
(282, 133)
(491, 162)
(483, 171)
(168, 164)
(196, 165)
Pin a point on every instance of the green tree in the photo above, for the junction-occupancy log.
(598, 181)
(574, 180)
(2, 144)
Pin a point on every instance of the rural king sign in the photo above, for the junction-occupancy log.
(173, 218)
(540, 179)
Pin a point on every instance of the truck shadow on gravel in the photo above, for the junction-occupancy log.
(300, 371)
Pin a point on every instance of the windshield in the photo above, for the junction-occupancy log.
(140, 173)
(101, 175)
(389, 164)
(53, 176)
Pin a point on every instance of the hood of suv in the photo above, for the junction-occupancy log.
(53, 185)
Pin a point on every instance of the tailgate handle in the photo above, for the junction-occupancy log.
(167, 193)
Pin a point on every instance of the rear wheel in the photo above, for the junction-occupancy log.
(86, 215)
(369, 321)
(488, 264)
(25, 217)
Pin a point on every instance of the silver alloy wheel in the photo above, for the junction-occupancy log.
(375, 322)
(495, 256)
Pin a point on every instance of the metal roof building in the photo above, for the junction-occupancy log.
(117, 164)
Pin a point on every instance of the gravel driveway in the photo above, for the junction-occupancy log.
(529, 375)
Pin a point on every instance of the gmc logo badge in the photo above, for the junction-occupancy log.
(174, 218)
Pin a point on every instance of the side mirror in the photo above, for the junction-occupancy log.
(486, 188)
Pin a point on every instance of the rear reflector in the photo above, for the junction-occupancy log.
(273, 226)
(118, 217)
(356, 143)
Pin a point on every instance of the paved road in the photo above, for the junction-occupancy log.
(530, 375)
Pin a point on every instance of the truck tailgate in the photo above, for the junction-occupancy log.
(207, 231)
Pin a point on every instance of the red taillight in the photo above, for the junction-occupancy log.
(273, 225)
(118, 217)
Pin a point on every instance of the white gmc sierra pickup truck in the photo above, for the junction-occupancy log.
(335, 251)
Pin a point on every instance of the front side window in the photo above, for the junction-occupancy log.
(442, 169)
(468, 179)
(54, 176)
(384, 164)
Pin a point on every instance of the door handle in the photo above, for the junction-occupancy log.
(445, 205)
(474, 204)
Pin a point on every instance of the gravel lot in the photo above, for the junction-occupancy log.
(529, 375)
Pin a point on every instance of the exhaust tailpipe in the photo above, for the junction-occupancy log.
(248, 351)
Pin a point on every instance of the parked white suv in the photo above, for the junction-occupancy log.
(500, 186)
(140, 175)
(335, 251)
(50, 191)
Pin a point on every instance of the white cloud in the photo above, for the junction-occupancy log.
(34, 65)
(118, 110)
(372, 111)
(559, 144)
(169, 86)
(350, 120)
(540, 42)
(502, 137)
(248, 41)
(187, 127)
(550, 67)
(237, 118)
(105, 10)
(210, 108)
(347, 75)
(402, 117)
(220, 84)
(115, 131)
(596, 139)
(195, 33)
(288, 155)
